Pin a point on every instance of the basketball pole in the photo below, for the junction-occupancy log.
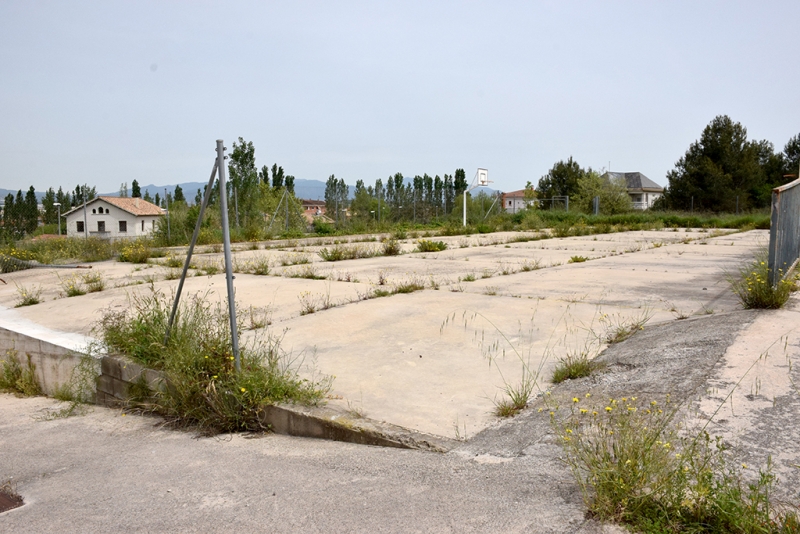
(481, 178)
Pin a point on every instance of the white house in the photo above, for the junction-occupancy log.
(642, 190)
(114, 218)
(515, 201)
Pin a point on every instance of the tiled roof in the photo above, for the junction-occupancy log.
(134, 206)
(520, 193)
(636, 180)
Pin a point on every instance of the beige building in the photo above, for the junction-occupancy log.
(113, 218)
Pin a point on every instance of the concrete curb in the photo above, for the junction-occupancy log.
(118, 375)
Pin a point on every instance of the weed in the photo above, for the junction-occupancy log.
(490, 290)
(574, 365)
(16, 379)
(578, 259)
(426, 245)
(307, 271)
(202, 388)
(487, 273)
(529, 265)
(94, 282)
(378, 293)
(619, 328)
(633, 466)
(72, 286)
(210, 267)
(391, 247)
(173, 274)
(751, 284)
(468, 277)
(409, 286)
(28, 296)
(293, 259)
(339, 253)
(259, 265)
(136, 251)
(312, 303)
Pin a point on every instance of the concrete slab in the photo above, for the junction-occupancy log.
(390, 356)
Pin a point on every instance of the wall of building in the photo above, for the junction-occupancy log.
(111, 220)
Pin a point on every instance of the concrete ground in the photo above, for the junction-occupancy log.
(735, 372)
(436, 360)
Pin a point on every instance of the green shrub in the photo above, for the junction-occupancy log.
(751, 285)
(136, 251)
(634, 467)
(202, 387)
(391, 247)
(426, 245)
(572, 366)
(16, 379)
(28, 296)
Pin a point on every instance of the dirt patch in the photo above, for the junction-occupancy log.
(9, 499)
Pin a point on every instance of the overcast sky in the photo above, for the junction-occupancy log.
(108, 92)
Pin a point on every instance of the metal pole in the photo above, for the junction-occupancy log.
(85, 220)
(226, 248)
(465, 208)
(166, 203)
(58, 205)
(236, 204)
(287, 214)
(188, 261)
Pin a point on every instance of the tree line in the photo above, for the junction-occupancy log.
(721, 172)
(421, 199)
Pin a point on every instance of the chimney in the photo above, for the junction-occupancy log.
(136, 202)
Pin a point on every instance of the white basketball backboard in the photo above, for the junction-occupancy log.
(483, 177)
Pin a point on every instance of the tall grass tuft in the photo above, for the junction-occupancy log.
(635, 467)
(202, 388)
(751, 285)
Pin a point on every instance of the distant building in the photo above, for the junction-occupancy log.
(642, 190)
(515, 201)
(312, 209)
(114, 218)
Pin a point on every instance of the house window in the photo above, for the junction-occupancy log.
(101, 226)
(94, 211)
(123, 226)
(142, 226)
(79, 226)
(106, 211)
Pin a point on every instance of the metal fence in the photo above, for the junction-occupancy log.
(784, 232)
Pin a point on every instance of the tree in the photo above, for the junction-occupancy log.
(720, 171)
(136, 191)
(30, 211)
(449, 193)
(460, 183)
(147, 196)
(277, 176)
(613, 194)
(290, 184)
(157, 201)
(561, 180)
(123, 190)
(179, 194)
(791, 156)
(49, 212)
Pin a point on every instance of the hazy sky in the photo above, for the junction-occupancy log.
(108, 92)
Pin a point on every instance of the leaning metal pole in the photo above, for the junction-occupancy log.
(226, 247)
(188, 261)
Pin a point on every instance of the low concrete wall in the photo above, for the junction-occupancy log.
(116, 376)
(54, 362)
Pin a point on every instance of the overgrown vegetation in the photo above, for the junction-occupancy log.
(202, 388)
(751, 284)
(574, 365)
(28, 296)
(427, 245)
(634, 466)
(14, 378)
